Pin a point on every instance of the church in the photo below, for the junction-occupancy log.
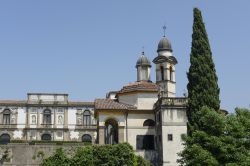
(146, 114)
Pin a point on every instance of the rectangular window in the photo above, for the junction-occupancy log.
(170, 137)
(86, 120)
(145, 142)
(6, 119)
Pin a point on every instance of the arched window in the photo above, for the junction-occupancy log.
(4, 139)
(149, 122)
(162, 72)
(46, 137)
(86, 138)
(171, 73)
(33, 119)
(6, 116)
(47, 116)
(86, 118)
(111, 132)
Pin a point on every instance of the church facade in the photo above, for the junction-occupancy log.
(146, 114)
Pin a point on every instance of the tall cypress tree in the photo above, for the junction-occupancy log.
(202, 85)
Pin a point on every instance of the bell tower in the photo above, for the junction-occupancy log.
(165, 68)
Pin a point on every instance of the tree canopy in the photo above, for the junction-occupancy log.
(226, 140)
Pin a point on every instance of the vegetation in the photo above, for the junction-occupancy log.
(202, 85)
(95, 155)
(226, 140)
(214, 139)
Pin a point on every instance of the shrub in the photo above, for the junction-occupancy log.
(95, 155)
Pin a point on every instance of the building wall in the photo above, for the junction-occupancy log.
(146, 100)
(129, 99)
(174, 122)
(141, 100)
(27, 122)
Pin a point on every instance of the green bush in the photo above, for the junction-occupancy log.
(58, 159)
(98, 155)
(140, 161)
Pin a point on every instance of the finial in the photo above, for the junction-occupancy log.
(164, 30)
(142, 50)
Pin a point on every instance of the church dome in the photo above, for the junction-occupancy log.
(164, 45)
(143, 61)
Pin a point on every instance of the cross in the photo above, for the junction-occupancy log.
(164, 30)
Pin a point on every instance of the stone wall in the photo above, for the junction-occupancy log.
(30, 155)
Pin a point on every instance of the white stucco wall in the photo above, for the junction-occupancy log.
(174, 122)
(140, 100)
(21, 117)
(171, 148)
(129, 99)
(72, 118)
(136, 120)
(146, 100)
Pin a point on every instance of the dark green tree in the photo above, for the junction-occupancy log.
(225, 142)
(202, 85)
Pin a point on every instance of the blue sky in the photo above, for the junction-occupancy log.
(87, 48)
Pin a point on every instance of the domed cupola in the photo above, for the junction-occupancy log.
(164, 45)
(143, 66)
(143, 61)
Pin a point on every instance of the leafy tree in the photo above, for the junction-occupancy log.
(202, 85)
(202, 146)
(226, 140)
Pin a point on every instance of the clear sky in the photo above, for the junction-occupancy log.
(87, 48)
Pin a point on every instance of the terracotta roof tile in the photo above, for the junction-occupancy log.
(139, 86)
(111, 104)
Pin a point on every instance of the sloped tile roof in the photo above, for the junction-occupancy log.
(143, 86)
(13, 102)
(109, 104)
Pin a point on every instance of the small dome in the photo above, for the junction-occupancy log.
(164, 45)
(143, 61)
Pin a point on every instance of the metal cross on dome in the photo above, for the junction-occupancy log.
(164, 30)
